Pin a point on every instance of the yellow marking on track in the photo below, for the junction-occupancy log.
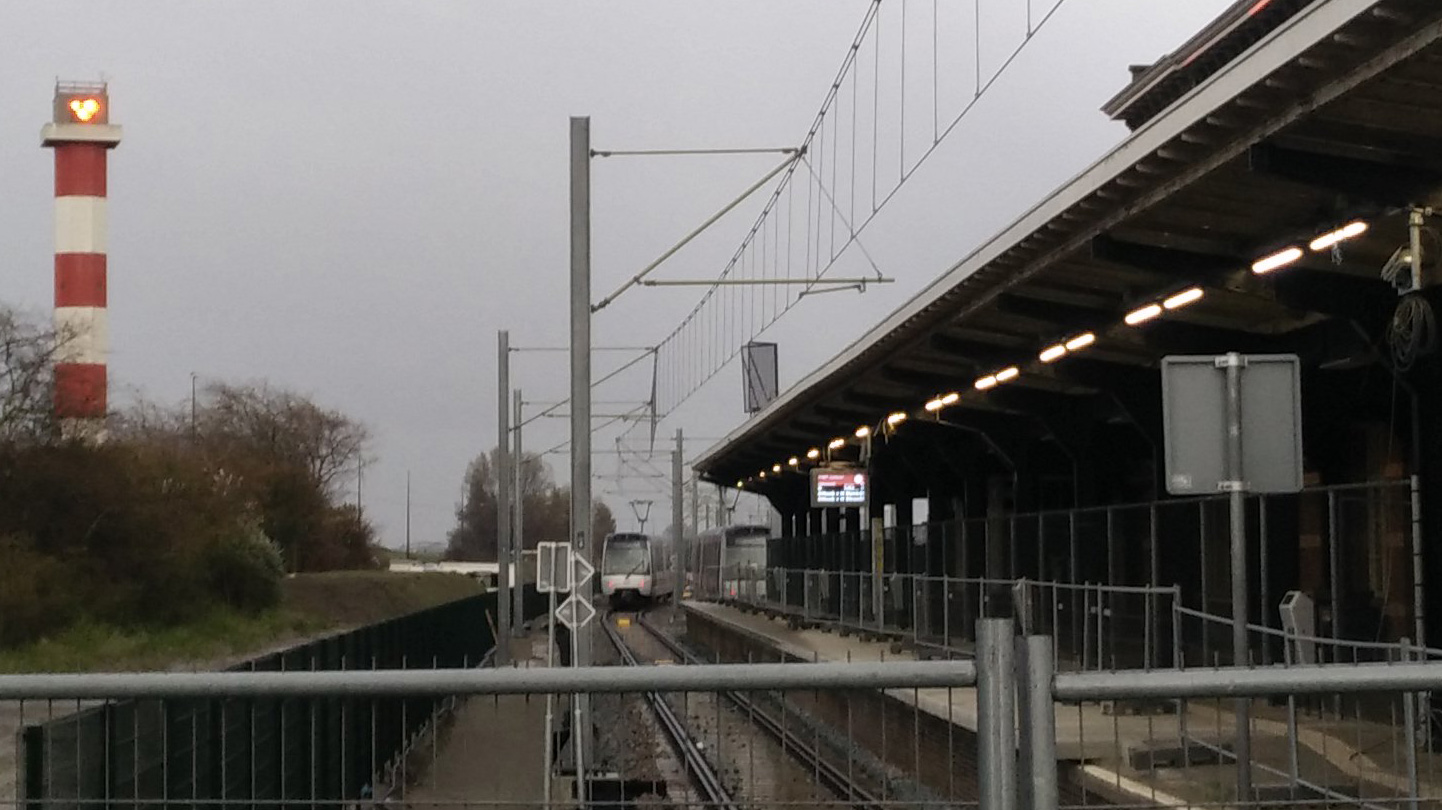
(664, 662)
(623, 622)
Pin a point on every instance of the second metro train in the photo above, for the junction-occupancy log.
(730, 563)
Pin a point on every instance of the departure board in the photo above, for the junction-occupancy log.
(838, 488)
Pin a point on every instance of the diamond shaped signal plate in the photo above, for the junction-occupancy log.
(575, 612)
(581, 571)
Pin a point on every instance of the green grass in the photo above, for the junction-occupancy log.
(212, 641)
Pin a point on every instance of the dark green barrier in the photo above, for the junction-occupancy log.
(294, 750)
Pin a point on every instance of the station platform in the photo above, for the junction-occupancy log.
(1168, 758)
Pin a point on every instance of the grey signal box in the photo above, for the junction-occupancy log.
(1195, 421)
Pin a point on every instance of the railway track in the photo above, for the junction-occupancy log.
(688, 751)
(834, 778)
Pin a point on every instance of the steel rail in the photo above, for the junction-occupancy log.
(808, 755)
(702, 774)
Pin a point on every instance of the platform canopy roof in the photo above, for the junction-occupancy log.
(1280, 122)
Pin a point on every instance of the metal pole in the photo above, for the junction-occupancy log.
(1238, 510)
(549, 765)
(518, 534)
(1419, 625)
(408, 514)
(580, 165)
(678, 526)
(1037, 786)
(503, 495)
(193, 433)
(996, 714)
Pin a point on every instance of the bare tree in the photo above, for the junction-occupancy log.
(28, 350)
(279, 424)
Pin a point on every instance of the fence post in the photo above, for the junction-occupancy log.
(1037, 786)
(1409, 710)
(996, 714)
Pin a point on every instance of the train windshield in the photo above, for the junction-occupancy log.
(625, 557)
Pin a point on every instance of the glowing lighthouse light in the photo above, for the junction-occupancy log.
(84, 109)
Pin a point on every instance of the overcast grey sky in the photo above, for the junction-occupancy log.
(351, 198)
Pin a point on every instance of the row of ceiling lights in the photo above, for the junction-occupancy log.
(1051, 354)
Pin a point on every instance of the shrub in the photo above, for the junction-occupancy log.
(245, 569)
(36, 592)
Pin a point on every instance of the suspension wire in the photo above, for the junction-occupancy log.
(710, 335)
(629, 363)
(854, 236)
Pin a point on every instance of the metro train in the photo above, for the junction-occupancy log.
(637, 569)
(730, 563)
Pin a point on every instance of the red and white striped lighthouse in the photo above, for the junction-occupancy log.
(81, 134)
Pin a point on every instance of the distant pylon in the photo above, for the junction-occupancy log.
(80, 132)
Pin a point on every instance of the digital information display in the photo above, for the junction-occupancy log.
(831, 488)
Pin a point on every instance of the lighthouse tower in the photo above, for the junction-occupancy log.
(81, 134)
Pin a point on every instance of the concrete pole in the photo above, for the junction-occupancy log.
(580, 160)
(1237, 497)
(678, 524)
(503, 495)
(518, 525)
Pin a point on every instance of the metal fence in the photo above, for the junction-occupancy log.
(1004, 731)
(1094, 626)
(261, 749)
(1354, 548)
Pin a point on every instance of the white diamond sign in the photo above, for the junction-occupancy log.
(575, 612)
(581, 571)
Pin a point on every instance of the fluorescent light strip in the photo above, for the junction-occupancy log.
(862, 432)
(836, 444)
(950, 399)
(986, 382)
(1143, 315)
(1007, 374)
(1081, 341)
(1277, 260)
(934, 405)
(1348, 231)
(1052, 353)
(1183, 298)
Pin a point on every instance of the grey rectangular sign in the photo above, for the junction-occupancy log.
(759, 374)
(1194, 418)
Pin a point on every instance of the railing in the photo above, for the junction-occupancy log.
(989, 733)
(1093, 626)
(82, 750)
(1354, 548)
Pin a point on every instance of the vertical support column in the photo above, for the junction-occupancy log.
(580, 165)
(503, 496)
(678, 525)
(996, 714)
(80, 134)
(1238, 504)
(518, 522)
(1037, 788)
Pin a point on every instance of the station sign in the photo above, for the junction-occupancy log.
(838, 488)
(1197, 420)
